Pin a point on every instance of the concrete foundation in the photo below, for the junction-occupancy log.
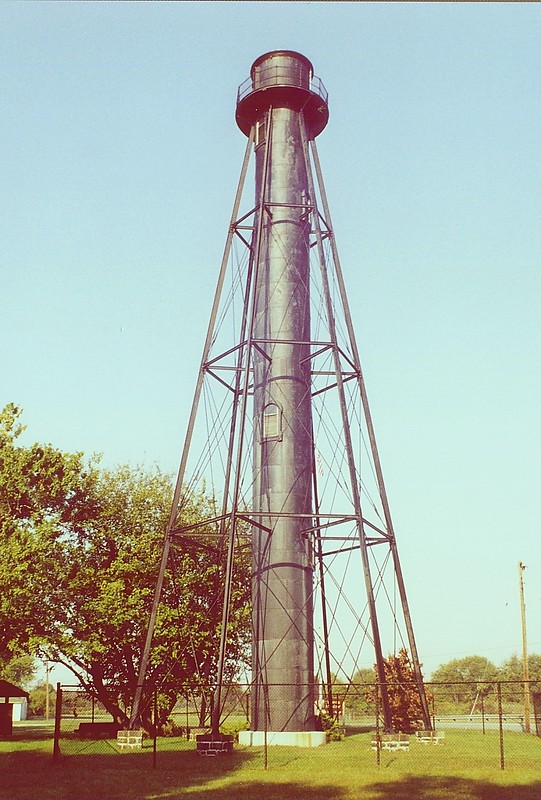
(219, 744)
(286, 738)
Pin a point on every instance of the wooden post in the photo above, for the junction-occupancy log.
(155, 732)
(525, 665)
(57, 719)
(378, 737)
(500, 718)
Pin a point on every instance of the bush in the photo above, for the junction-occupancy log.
(334, 731)
(170, 728)
(233, 728)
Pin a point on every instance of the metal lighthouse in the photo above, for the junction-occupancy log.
(281, 432)
(282, 106)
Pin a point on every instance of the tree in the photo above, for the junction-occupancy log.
(43, 496)
(20, 671)
(513, 670)
(104, 599)
(404, 701)
(361, 692)
(83, 548)
(37, 705)
(467, 681)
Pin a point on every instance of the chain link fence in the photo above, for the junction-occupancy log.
(493, 725)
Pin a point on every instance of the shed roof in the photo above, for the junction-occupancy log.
(10, 690)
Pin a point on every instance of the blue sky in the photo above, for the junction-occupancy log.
(120, 158)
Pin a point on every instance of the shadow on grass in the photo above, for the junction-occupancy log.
(182, 774)
(259, 790)
(449, 788)
(24, 732)
(353, 730)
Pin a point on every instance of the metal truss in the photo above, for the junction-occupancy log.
(358, 589)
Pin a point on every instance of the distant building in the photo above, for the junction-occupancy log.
(13, 706)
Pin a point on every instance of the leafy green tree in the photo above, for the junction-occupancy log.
(512, 670)
(83, 547)
(467, 681)
(20, 671)
(104, 598)
(360, 694)
(43, 496)
(37, 705)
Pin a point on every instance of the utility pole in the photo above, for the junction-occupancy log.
(525, 666)
(47, 671)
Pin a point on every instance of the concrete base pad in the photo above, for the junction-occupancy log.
(287, 738)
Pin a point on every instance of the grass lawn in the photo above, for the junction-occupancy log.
(467, 767)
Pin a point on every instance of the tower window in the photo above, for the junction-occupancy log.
(261, 131)
(272, 422)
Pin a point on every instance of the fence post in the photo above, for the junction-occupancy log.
(57, 718)
(378, 738)
(500, 717)
(266, 743)
(155, 732)
(483, 714)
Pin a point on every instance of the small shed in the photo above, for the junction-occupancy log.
(8, 691)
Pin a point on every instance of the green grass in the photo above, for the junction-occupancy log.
(467, 767)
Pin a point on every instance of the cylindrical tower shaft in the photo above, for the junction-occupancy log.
(283, 646)
(283, 697)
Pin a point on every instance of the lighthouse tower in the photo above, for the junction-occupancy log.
(289, 446)
(284, 108)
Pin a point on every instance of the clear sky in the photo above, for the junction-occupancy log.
(120, 158)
